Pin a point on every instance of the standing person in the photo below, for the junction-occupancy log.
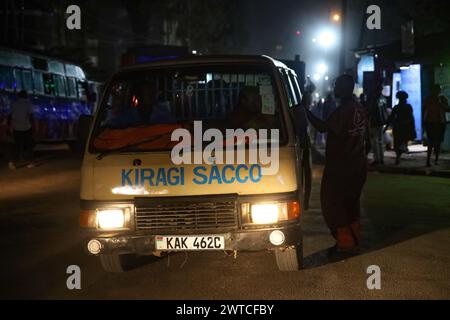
(402, 121)
(20, 123)
(363, 100)
(345, 169)
(435, 107)
(377, 108)
(329, 105)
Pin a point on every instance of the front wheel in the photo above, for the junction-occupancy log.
(113, 262)
(290, 259)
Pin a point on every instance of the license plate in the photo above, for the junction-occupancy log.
(180, 243)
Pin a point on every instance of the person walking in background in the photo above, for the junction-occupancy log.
(20, 122)
(377, 109)
(402, 121)
(345, 169)
(363, 100)
(316, 109)
(329, 105)
(435, 107)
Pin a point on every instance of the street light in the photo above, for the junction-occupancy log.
(322, 68)
(326, 38)
(336, 17)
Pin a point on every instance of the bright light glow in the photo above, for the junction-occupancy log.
(336, 17)
(277, 237)
(265, 213)
(326, 78)
(322, 68)
(314, 40)
(94, 246)
(404, 68)
(194, 51)
(317, 95)
(110, 219)
(326, 39)
(316, 77)
(129, 190)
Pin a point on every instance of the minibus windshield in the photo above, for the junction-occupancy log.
(142, 104)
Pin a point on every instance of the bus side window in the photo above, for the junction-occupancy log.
(71, 87)
(60, 85)
(6, 78)
(289, 88)
(38, 82)
(17, 79)
(296, 86)
(49, 85)
(27, 81)
(82, 92)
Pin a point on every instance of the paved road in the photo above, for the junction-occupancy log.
(407, 234)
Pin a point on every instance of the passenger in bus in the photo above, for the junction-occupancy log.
(138, 109)
(248, 113)
(121, 114)
(144, 116)
(161, 113)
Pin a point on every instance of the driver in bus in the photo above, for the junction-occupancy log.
(248, 112)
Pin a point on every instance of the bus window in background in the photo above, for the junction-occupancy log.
(60, 85)
(6, 78)
(27, 81)
(71, 87)
(82, 90)
(38, 82)
(49, 85)
(17, 80)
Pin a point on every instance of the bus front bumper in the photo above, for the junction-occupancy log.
(240, 240)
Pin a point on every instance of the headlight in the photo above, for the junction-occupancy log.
(269, 213)
(111, 218)
(265, 213)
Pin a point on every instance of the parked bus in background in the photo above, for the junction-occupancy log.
(58, 90)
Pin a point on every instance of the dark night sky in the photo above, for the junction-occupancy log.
(275, 23)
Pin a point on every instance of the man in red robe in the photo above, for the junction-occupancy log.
(345, 169)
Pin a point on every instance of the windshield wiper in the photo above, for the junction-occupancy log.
(129, 146)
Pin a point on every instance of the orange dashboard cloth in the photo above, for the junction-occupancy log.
(118, 138)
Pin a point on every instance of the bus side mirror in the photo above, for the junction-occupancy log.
(84, 127)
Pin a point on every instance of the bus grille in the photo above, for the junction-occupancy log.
(187, 216)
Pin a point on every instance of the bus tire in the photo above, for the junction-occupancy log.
(113, 262)
(290, 259)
